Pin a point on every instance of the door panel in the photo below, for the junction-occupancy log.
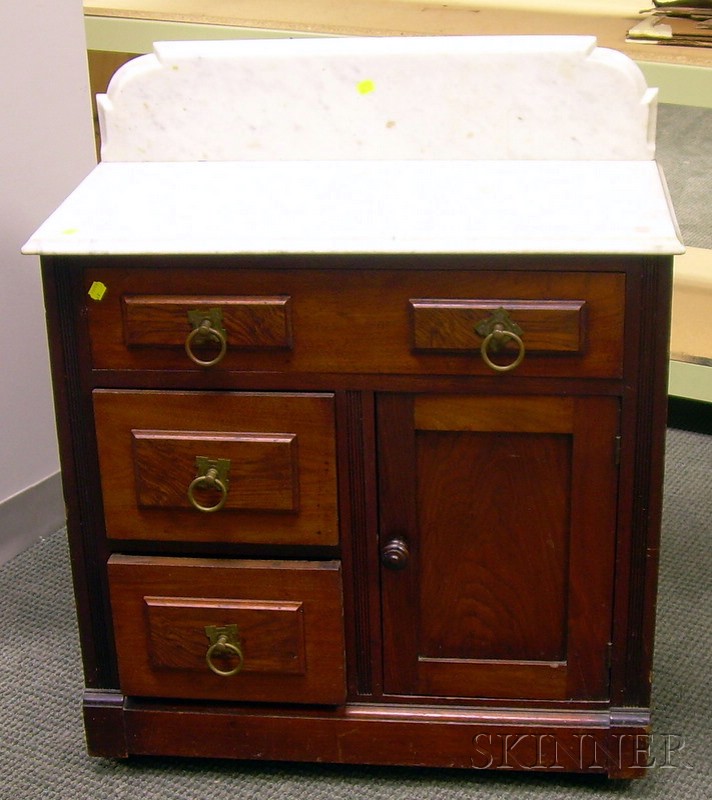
(506, 510)
(502, 542)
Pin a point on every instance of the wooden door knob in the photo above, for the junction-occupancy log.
(395, 554)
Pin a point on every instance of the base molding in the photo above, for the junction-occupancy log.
(30, 514)
(104, 723)
(609, 742)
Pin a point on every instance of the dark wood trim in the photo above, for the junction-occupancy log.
(648, 475)
(104, 724)
(68, 344)
(398, 520)
(274, 381)
(225, 549)
(642, 463)
(554, 262)
(431, 736)
(355, 430)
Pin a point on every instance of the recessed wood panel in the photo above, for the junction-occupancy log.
(263, 472)
(281, 486)
(554, 326)
(249, 322)
(287, 618)
(270, 633)
(493, 528)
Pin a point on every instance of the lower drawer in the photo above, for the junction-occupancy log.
(229, 629)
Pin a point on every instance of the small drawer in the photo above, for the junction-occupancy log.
(229, 629)
(252, 323)
(359, 321)
(218, 466)
(457, 326)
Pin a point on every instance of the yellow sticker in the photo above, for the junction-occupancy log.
(365, 87)
(97, 290)
(70, 231)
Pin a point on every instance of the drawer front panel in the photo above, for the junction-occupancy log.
(273, 456)
(263, 469)
(361, 321)
(282, 624)
(549, 326)
(249, 322)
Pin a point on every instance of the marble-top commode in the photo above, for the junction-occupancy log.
(384, 310)
(365, 206)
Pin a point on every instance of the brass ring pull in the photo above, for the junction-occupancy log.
(224, 647)
(208, 481)
(206, 331)
(499, 335)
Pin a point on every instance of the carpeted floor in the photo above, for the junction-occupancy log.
(684, 149)
(43, 756)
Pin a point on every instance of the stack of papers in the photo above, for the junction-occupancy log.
(683, 23)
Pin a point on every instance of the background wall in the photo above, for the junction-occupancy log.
(46, 148)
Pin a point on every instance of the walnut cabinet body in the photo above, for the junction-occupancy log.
(411, 557)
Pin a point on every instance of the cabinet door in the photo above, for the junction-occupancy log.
(497, 528)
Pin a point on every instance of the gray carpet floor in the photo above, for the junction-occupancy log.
(684, 149)
(43, 756)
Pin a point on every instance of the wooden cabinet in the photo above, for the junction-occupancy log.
(411, 550)
(362, 409)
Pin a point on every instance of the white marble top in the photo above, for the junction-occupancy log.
(485, 144)
(365, 207)
(439, 97)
